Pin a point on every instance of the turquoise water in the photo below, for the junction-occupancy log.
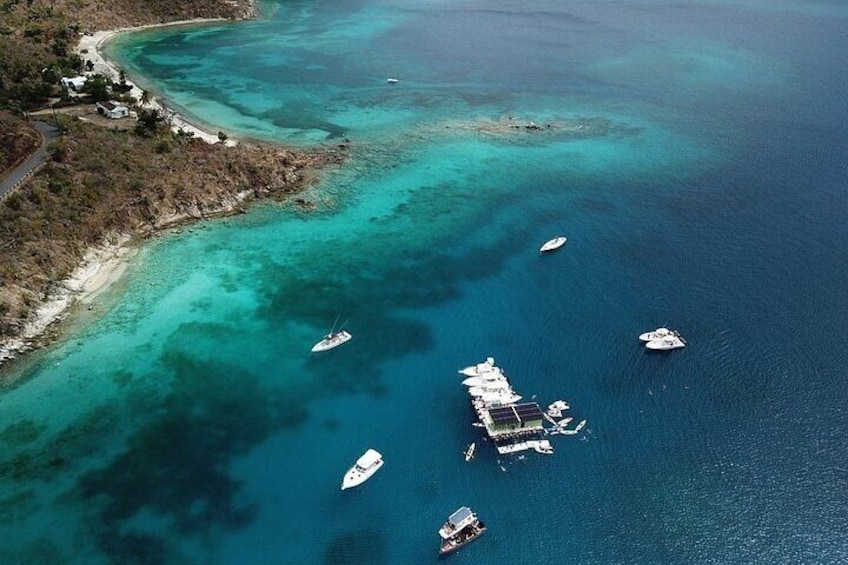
(183, 419)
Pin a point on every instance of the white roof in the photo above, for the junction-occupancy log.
(369, 458)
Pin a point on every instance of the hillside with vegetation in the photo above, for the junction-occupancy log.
(17, 141)
(101, 183)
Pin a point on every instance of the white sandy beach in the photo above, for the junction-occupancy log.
(89, 49)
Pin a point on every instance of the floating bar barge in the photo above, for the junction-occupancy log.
(513, 426)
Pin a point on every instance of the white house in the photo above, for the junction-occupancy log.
(74, 83)
(113, 110)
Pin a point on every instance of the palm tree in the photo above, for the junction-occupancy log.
(145, 97)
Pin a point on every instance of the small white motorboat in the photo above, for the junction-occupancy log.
(658, 333)
(392, 80)
(552, 244)
(556, 408)
(564, 422)
(666, 343)
(499, 398)
(469, 451)
(479, 369)
(543, 446)
(363, 469)
(494, 387)
(492, 378)
(331, 340)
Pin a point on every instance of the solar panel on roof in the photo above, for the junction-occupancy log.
(459, 516)
(503, 415)
(529, 411)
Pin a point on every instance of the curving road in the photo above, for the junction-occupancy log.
(20, 173)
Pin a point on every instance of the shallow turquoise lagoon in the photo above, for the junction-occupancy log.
(696, 161)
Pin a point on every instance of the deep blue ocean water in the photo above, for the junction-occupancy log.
(184, 420)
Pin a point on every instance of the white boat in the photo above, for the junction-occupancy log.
(363, 469)
(462, 527)
(479, 368)
(469, 451)
(544, 447)
(492, 387)
(666, 343)
(331, 340)
(392, 80)
(499, 398)
(556, 408)
(485, 380)
(564, 422)
(658, 333)
(552, 244)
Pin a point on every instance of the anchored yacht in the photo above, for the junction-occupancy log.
(363, 469)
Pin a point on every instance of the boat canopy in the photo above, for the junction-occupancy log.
(461, 517)
(368, 458)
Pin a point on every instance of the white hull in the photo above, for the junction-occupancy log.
(331, 340)
(665, 344)
(552, 244)
(658, 333)
(494, 379)
(479, 369)
(361, 472)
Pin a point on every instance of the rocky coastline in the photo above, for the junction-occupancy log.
(186, 178)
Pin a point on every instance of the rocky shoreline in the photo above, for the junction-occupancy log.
(281, 172)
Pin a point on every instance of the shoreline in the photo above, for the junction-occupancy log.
(101, 267)
(89, 47)
(105, 264)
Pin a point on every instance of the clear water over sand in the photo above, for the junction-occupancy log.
(696, 161)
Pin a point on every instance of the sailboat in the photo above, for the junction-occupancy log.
(332, 339)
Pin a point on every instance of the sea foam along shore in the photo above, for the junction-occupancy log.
(89, 48)
(102, 265)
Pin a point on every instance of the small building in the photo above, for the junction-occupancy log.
(74, 83)
(112, 110)
(514, 419)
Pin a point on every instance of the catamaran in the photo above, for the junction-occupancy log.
(462, 527)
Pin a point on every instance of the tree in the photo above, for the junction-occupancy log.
(145, 97)
(148, 122)
(222, 137)
(98, 87)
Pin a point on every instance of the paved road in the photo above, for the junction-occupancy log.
(21, 172)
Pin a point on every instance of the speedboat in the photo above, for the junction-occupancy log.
(564, 422)
(331, 340)
(494, 387)
(499, 398)
(469, 451)
(392, 80)
(479, 368)
(658, 333)
(665, 343)
(363, 469)
(552, 244)
(491, 379)
(556, 408)
(544, 447)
